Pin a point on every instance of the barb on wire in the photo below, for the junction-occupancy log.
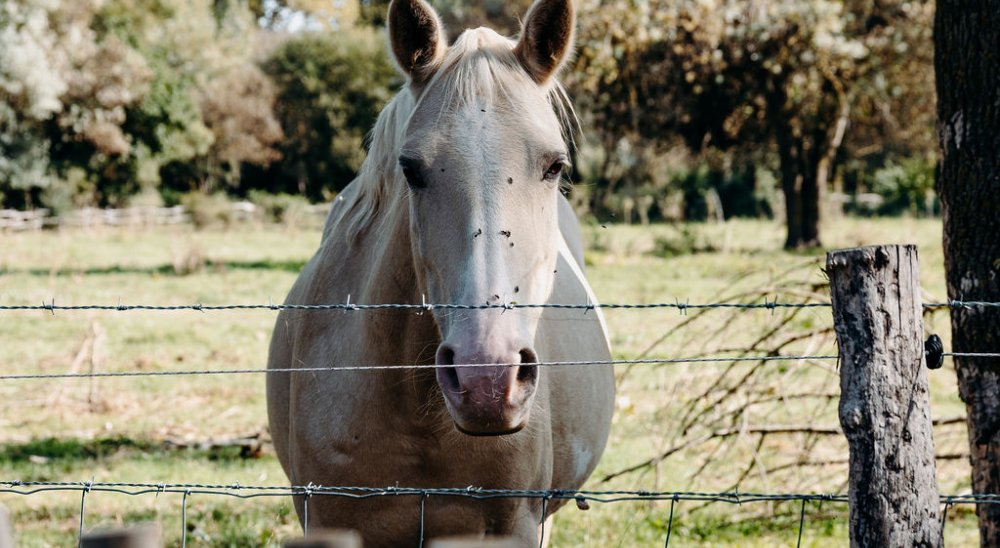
(963, 304)
(581, 363)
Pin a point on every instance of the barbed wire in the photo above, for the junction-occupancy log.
(348, 306)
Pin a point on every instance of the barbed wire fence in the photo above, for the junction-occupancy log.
(582, 498)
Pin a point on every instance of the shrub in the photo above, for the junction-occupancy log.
(208, 209)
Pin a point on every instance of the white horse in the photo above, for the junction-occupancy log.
(458, 202)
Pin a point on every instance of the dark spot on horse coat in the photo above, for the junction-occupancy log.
(512, 244)
(510, 180)
(505, 233)
(517, 288)
(478, 232)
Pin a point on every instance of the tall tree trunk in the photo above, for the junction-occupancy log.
(807, 157)
(967, 64)
(790, 158)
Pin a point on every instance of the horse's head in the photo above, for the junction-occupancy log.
(482, 158)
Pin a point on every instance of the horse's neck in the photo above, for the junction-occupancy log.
(374, 264)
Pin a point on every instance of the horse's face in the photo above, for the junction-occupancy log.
(482, 159)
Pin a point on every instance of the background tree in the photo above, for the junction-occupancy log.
(967, 62)
(62, 86)
(238, 107)
(331, 88)
(729, 75)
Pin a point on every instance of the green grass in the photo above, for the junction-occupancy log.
(114, 429)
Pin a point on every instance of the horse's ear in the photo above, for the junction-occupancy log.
(546, 38)
(417, 38)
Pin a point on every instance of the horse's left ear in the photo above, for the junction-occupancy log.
(546, 38)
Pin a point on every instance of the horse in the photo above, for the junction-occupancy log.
(458, 201)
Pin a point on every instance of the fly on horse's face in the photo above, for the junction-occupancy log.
(482, 158)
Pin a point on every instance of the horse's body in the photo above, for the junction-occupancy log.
(410, 427)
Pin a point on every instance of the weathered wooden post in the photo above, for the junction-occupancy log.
(473, 542)
(6, 531)
(327, 538)
(884, 407)
(146, 535)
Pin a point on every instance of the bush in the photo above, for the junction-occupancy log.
(208, 209)
(907, 187)
(282, 208)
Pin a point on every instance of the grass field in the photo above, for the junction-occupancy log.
(151, 429)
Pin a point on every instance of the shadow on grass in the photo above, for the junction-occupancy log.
(67, 450)
(210, 265)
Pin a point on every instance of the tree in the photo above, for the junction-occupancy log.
(967, 64)
(238, 108)
(500, 15)
(331, 87)
(65, 89)
(732, 75)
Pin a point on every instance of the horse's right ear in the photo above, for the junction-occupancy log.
(417, 38)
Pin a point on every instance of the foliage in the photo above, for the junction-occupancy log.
(771, 83)
(331, 88)
(691, 108)
(64, 91)
(907, 187)
(286, 209)
(237, 107)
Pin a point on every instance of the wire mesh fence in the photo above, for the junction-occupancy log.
(582, 498)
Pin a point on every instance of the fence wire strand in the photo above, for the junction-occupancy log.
(334, 368)
(237, 490)
(683, 307)
(346, 368)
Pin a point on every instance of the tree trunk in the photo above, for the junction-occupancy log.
(806, 158)
(789, 155)
(967, 65)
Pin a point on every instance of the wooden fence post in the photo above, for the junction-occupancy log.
(6, 531)
(473, 542)
(327, 538)
(146, 535)
(884, 407)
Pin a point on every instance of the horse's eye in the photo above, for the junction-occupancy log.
(412, 175)
(554, 171)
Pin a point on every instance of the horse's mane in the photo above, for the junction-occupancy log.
(480, 63)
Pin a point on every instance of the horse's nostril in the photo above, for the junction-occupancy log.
(445, 355)
(527, 373)
(450, 378)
